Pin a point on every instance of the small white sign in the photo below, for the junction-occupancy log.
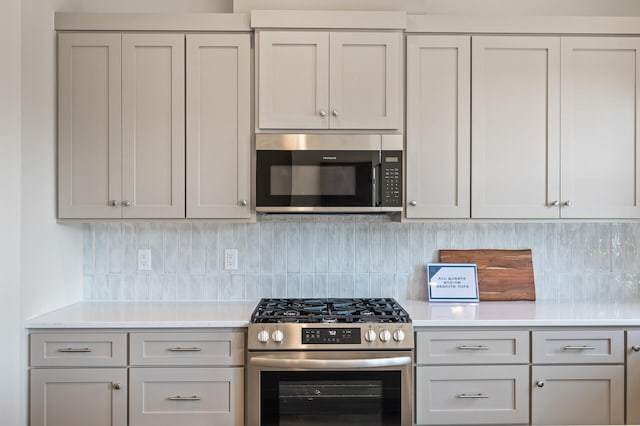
(453, 282)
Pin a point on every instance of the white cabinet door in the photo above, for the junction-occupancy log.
(293, 80)
(89, 125)
(78, 397)
(218, 126)
(153, 146)
(577, 395)
(365, 84)
(186, 396)
(633, 377)
(515, 127)
(438, 121)
(600, 117)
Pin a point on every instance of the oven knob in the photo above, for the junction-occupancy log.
(385, 335)
(398, 335)
(277, 336)
(370, 335)
(263, 336)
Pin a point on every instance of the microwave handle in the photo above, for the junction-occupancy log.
(331, 363)
(377, 185)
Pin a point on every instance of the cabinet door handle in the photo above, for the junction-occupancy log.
(117, 386)
(473, 347)
(113, 203)
(75, 350)
(322, 113)
(579, 348)
(126, 203)
(243, 203)
(413, 203)
(335, 113)
(566, 204)
(553, 204)
(180, 349)
(184, 398)
(635, 348)
(473, 396)
(540, 383)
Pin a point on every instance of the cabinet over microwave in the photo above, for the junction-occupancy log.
(328, 173)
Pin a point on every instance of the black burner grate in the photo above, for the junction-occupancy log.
(379, 310)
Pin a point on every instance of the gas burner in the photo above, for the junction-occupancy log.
(357, 310)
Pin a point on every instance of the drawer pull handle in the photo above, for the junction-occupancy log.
(579, 348)
(184, 398)
(473, 396)
(635, 348)
(75, 350)
(117, 386)
(179, 349)
(473, 348)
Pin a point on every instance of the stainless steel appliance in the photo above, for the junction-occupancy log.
(328, 173)
(329, 362)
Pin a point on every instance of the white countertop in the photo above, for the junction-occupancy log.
(423, 314)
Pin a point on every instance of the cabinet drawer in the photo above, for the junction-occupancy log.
(78, 350)
(578, 346)
(187, 348)
(469, 347)
(186, 396)
(488, 394)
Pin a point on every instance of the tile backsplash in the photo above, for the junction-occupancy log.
(347, 255)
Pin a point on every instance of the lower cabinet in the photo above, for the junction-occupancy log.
(188, 396)
(633, 376)
(488, 394)
(577, 394)
(79, 397)
(152, 378)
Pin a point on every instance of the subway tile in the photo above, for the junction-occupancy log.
(280, 247)
(88, 250)
(169, 287)
(348, 254)
(129, 248)
(100, 287)
(320, 285)
(198, 249)
(142, 286)
(129, 287)
(335, 242)
(403, 249)
(334, 284)
(114, 232)
(114, 284)
(375, 285)
(294, 247)
(101, 247)
(88, 289)
(237, 287)
(362, 247)
(155, 286)
(156, 243)
(306, 285)
(348, 285)
(321, 247)
(266, 247)
(361, 286)
(375, 247)
(252, 286)
(183, 287)
(266, 285)
(197, 287)
(279, 285)
(183, 264)
(252, 260)
(224, 286)
(240, 243)
(293, 285)
(170, 248)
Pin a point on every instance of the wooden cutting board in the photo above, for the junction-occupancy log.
(502, 274)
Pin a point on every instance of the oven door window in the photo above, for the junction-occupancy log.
(368, 398)
(316, 178)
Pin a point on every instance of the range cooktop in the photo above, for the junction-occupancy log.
(348, 310)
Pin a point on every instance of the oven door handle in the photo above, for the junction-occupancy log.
(330, 363)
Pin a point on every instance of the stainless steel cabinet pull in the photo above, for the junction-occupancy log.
(473, 396)
(117, 386)
(474, 347)
(635, 348)
(184, 398)
(75, 350)
(126, 203)
(322, 113)
(179, 349)
(540, 383)
(566, 204)
(113, 203)
(413, 203)
(579, 348)
(553, 204)
(243, 203)
(334, 113)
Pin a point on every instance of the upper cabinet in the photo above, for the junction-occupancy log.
(329, 80)
(151, 129)
(218, 125)
(121, 143)
(600, 127)
(438, 119)
(555, 127)
(515, 106)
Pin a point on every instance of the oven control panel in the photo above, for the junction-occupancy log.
(330, 336)
(327, 336)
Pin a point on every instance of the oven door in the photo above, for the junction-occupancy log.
(372, 388)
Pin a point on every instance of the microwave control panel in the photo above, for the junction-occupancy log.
(391, 178)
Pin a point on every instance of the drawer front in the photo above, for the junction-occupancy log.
(472, 347)
(79, 350)
(187, 348)
(578, 346)
(186, 396)
(488, 394)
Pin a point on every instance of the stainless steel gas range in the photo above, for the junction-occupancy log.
(328, 362)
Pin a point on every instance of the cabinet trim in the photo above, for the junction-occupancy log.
(151, 21)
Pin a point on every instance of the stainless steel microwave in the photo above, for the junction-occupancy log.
(328, 173)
